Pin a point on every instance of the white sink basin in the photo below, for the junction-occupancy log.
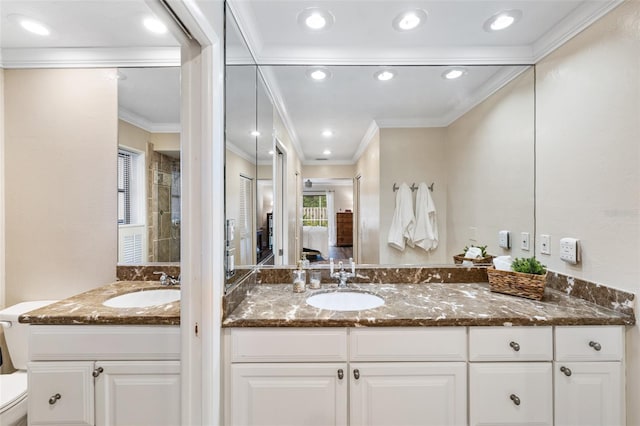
(345, 301)
(143, 298)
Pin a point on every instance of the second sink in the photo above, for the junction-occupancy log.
(345, 301)
(143, 299)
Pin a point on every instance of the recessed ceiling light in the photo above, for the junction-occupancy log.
(155, 26)
(318, 73)
(271, 152)
(409, 20)
(502, 20)
(384, 75)
(255, 133)
(34, 27)
(326, 152)
(327, 133)
(315, 19)
(453, 73)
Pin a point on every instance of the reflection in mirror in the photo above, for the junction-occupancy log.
(471, 137)
(148, 165)
(241, 139)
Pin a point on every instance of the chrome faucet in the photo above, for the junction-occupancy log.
(343, 275)
(166, 279)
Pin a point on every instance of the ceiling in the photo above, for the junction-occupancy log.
(106, 33)
(362, 40)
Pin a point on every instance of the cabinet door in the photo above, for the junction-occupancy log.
(589, 393)
(138, 393)
(513, 393)
(60, 393)
(408, 393)
(289, 394)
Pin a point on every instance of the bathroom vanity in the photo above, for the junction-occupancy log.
(434, 354)
(95, 365)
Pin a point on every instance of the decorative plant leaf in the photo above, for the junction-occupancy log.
(529, 265)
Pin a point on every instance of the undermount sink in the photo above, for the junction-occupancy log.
(345, 301)
(143, 298)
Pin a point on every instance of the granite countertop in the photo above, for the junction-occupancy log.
(441, 304)
(87, 308)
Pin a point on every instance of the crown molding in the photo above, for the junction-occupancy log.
(243, 15)
(98, 57)
(275, 94)
(410, 122)
(144, 124)
(366, 140)
(239, 152)
(571, 25)
(328, 163)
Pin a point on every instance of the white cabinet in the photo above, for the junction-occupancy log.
(589, 384)
(289, 394)
(511, 392)
(105, 375)
(503, 393)
(408, 393)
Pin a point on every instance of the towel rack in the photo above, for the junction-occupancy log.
(413, 187)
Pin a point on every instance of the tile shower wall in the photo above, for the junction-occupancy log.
(163, 207)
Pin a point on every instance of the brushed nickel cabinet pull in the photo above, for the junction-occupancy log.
(340, 374)
(54, 398)
(515, 399)
(97, 372)
(566, 371)
(356, 374)
(515, 346)
(595, 345)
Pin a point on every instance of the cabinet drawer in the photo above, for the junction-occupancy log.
(72, 381)
(409, 344)
(510, 344)
(288, 345)
(590, 343)
(510, 393)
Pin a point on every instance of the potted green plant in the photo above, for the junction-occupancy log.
(485, 258)
(527, 278)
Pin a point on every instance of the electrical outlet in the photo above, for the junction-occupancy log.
(545, 244)
(524, 241)
(503, 239)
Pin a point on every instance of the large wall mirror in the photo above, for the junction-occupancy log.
(333, 143)
(148, 165)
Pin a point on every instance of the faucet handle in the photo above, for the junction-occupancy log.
(163, 276)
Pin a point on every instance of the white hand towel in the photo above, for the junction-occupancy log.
(425, 234)
(403, 220)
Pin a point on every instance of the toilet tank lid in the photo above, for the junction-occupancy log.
(12, 388)
(12, 313)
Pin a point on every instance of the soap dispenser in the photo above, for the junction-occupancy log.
(299, 279)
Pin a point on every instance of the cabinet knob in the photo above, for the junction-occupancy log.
(356, 374)
(340, 374)
(54, 398)
(595, 345)
(97, 371)
(515, 399)
(515, 346)
(566, 371)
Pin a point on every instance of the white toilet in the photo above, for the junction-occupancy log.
(13, 387)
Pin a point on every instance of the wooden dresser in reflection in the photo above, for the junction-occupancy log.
(344, 229)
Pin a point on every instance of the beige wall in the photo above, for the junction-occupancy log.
(329, 171)
(60, 176)
(368, 214)
(412, 155)
(166, 142)
(588, 160)
(489, 152)
(131, 136)
(236, 166)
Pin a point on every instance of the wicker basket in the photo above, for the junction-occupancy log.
(517, 283)
(487, 260)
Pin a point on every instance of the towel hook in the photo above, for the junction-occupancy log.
(395, 187)
(413, 187)
(431, 186)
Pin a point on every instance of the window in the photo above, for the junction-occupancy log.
(124, 187)
(314, 210)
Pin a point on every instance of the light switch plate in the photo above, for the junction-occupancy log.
(503, 239)
(570, 250)
(545, 244)
(524, 241)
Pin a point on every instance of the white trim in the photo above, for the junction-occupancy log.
(2, 195)
(366, 140)
(328, 163)
(246, 23)
(91, 57)
(570, 26)
(144, 124)
(240, 153)
(410, 122)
